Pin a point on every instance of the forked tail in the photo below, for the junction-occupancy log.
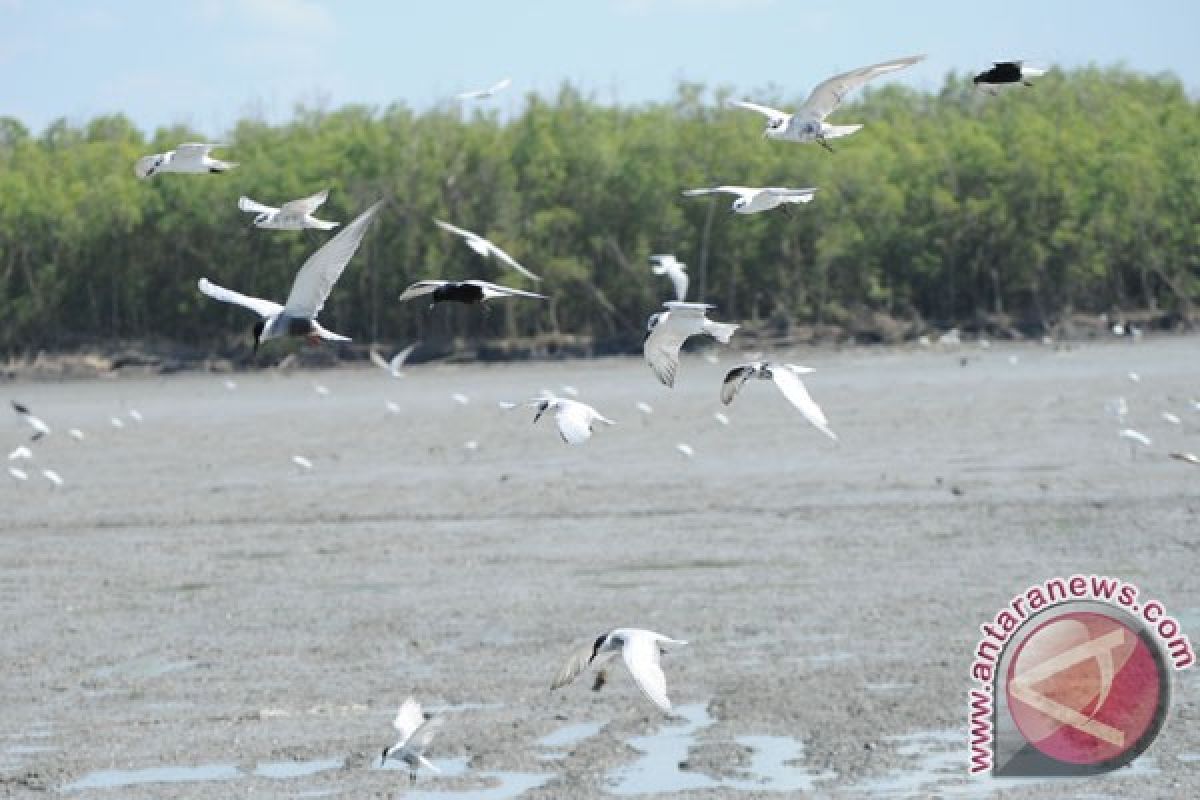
(721, 331)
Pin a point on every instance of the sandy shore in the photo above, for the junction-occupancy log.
(190, 598)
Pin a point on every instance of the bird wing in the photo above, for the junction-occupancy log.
(398, 360)
(306, 205)
(641, 654)
(574, 421)
(496, 290)
(423, 735)
(463, 232)
(797, 195)
(421, 287)
(828, 94)
(378, 360)
(661, 350)
(264, 308)
(767, 111)
(316, 278)
(680, 279)
(510, 261)
(193, 151)
(408, 719)
(793, 389)
(254, 207)
(499, 85)
(735, 379)
(577, 662)
(738, 190)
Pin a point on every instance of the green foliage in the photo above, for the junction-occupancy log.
(1082, 192)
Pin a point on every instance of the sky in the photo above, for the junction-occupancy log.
(207, 63)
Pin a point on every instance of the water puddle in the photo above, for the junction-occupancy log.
(658, 771)
(940, 767)
(28, 749)
(455, 708)
(511, 784)
(116, 778)
(567, 736)
(450, 767)
(658, 768)
(768, 763)
(143, 668)
(296, 769)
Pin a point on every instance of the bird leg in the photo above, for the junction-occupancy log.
(823, 143)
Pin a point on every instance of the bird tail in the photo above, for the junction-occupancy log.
(425, 762)
(323, 224)
(329, 335)
(838, 131)
(721, 331)
(221, 166)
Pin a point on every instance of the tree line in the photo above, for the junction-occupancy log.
(1079, 194)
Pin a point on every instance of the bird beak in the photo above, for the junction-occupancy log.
(538, 415)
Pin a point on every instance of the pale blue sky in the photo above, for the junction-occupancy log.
(207, 62)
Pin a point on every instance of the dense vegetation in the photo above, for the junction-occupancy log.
(1080, 193)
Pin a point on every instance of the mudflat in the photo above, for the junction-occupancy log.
(192, 614)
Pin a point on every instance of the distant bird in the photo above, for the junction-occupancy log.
(483, 94)
(135, 415)
(117, 422)
(470, 292)
(685, 449)
(302, 462)
(644, 407)
(460, 398)
(485, 248)
(392, 406)
(674, 269)
(668, 330)
(721, 418)
(19, 453)
(295, 215)
(641, 650)
(1135, 378)
(190, 158)
(808, 124)
(321, 389)
(575, 419)
(416, 732)
(1190, 458)
(394, 366)
(752, 199)
(951, 338)
(19, 474)
(1007, 73)
(310, 289)
(40, 428)
(1135, 438)
(75, 434)
(1171, 418)
(52, 476)
(787, 378)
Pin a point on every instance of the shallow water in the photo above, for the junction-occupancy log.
(296, 769)
(116, 778)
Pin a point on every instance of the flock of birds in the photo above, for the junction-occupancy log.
(667, 331)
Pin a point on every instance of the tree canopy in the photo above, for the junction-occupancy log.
(1081, 193)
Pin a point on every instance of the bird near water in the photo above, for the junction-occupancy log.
(416, 733)
(786, 378)
(668, 330)
(641, 651)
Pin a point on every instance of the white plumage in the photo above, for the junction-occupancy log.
(669, 329)
(416, 733)
(190, 158)
(666, 264)
(787, 379)
(753, 199)
(486, 248)
(294, 215)
(641, 651)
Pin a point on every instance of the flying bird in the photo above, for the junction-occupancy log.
(1008, 73)
(640, 649)
(1190, 458)
(416, 732)
(753, 200)
(313, 283)
(20, 452)
(39, 427)
(485, 248)
(295, 215)
(668, 330)
(52, 476)
(302, 462)
(787, 379)
(575, 419)
(394, 366)
(674, 269)
(483, 94)
(807, 123)
(19, 474)
(192, 158)
(470, 292)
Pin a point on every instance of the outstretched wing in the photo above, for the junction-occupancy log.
(316, 278)
(661, 350)
(641, 656)
(264, 308)
(496, 290)
(421, 288)
(735, 379)
(193, 151)
(828, 94)
(793, 389)
(791, 195)
(420, 739)
(446, 226)
(766, 111)
(576, 663)
(512, 262)
(738, 190)
(398, 360)
(306, 205)
(574, 422)
(254, 207)
(408, 719)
